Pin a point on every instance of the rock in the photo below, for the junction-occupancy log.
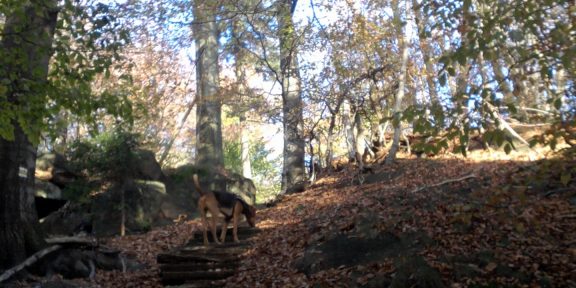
(66, 219)
(53, 167)
(347, 251)
(143, 200)
(241, 186)
(350, 250)
(47, 161)
(80, 263)
(414, 271)
(70, 263)
(46, 190)
(183, 196)
(56, 283)
(147, 166)
(46, 206)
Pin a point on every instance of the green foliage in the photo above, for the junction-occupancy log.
(86, 44)
(110, 155)
(264, 168)
(488, 32)
(79, 190)
(233, 156)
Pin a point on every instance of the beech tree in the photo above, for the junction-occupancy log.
(25, 51)
(48, 56)
(293, 173)
(209, 107)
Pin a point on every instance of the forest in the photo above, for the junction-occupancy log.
(382, 143)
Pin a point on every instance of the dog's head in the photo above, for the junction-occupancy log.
(251, 216)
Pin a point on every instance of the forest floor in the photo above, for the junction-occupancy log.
(489, 220)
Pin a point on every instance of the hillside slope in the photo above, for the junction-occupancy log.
(447, 222)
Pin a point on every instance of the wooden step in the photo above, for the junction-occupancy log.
(172, 267)
(200, 284)
(195, 242)
(182, 277)
(243, 235)
(214, 250)
(197, 265)
(183, 258)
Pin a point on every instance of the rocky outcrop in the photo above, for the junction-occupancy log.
(52, 167)
(147, 168)
(150, 199)
(143, 208)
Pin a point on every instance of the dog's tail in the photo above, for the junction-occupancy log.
(197, 184)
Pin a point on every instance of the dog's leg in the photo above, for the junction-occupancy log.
(213, 208)
(224, 229)
(236, 218)
(202, 209)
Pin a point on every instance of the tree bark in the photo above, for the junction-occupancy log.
(240, 70)
(429, 71)
(210, 153)
(25, 51)
(293, 171)
(404, 41)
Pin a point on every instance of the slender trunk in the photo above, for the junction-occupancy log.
(240, 70)
(403, 41)
(329, 140)
(429, 72)
(502, 83)
(245, 148)
(293, 172)
(210, 153)
(173, 139)
(360, 137)
(349, 130)
(25, 51)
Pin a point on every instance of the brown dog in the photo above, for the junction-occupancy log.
(218, 202)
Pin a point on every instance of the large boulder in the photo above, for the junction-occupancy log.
(53, 167)
(147, 167)
(184, 196)
(46, 189)
(67, 219)
(143, 208)
(239, 185)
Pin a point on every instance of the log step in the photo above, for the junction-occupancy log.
(183, 258)
(182, 277)
(200, 284)
(243, 235)
(198, 266)
(213, 251)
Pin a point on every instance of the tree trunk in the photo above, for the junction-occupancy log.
(360, 141)
(25, 51)
(210, 153)
(403, 41)
(241, 65)
(245, 148)
(293, 171)
(329, 140)
(349, 129)
(429, 71)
